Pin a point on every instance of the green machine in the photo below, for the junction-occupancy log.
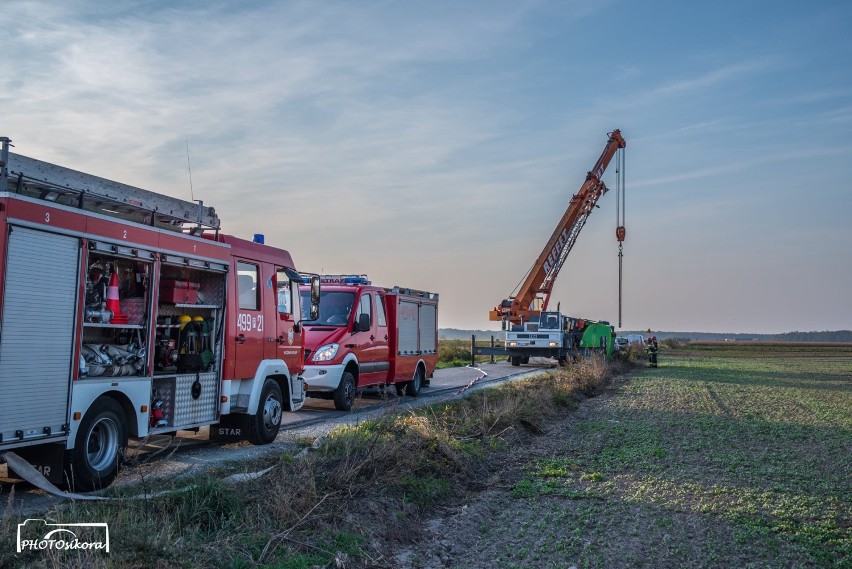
(597, 338)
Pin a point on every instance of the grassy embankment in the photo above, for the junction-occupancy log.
(373, 481)
(726, 455)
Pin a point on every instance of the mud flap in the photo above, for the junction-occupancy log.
(297, 393)
(230, 428)
(48, 460)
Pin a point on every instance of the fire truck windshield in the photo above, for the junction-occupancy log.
(335, 307)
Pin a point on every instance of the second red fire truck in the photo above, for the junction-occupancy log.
(367, 335)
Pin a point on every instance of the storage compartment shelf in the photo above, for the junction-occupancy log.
(116, 326)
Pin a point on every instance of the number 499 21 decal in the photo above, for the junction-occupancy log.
(248, 322)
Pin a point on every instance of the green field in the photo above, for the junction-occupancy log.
(735, 456)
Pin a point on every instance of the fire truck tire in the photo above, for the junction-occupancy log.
(265, 424)
(344, 395)
(516, 360)
(412, 388)
(100, 443)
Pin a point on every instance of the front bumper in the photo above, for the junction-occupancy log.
(538, 352)
(322, 377)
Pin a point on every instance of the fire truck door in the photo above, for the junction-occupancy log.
(372, 344)
(282, 340)
(251, 326)
(36, 353)
(382, 338)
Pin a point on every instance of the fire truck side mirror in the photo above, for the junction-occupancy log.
(315, 296)
(315, 290)
(363, 324)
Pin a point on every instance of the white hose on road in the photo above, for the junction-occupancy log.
(27, 472)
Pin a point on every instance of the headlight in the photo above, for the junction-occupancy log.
(554, 344)
(513, 344)
(325, 353)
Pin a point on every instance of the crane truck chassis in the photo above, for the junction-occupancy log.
(126, 313)
(555, 336)
(558, 337)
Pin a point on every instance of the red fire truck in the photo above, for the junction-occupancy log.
(126, 313)
(366, 336)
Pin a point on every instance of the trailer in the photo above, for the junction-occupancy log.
(126, 313)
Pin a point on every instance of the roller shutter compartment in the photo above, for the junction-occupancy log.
(37, 335)
(428, 325)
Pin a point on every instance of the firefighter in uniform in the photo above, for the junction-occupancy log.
(652, 349)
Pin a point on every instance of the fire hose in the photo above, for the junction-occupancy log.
(112, 360)
(26, 471)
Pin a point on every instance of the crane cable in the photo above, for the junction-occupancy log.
(620, 231)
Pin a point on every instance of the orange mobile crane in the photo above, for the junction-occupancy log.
(534, 294)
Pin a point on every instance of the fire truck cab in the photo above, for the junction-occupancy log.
(366, 335)
(126, 313)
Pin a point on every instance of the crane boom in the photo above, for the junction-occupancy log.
(539, 281)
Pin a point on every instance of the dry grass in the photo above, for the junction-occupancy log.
(365, 484)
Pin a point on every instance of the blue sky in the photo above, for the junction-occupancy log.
(435, 145)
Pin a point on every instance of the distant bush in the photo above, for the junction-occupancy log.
(674, 342)
(826, 336)
(453, 353)
(632, 353)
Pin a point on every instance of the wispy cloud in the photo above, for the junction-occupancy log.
(743, 165)
(713, 78)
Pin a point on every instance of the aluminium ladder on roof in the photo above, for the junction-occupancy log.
(49, 181)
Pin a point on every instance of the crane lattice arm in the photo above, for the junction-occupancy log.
(539, 282)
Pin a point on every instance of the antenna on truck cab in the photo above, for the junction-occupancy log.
(189, 167)
(199, 227)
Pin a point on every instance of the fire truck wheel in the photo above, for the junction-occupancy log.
(344, 395)
(100, 443)
(264, 425)
(412, 388)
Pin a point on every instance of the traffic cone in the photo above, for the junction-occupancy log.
(112, 302)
